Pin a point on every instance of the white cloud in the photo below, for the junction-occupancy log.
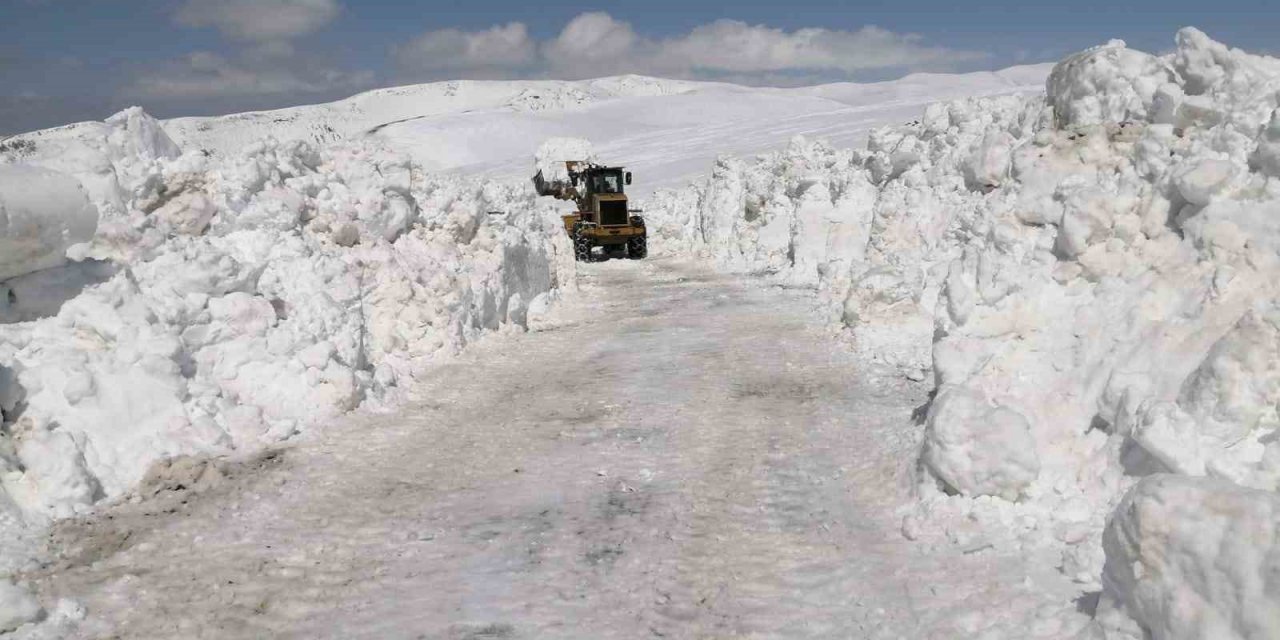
(204, 74)
(259, 20)
(596, 44)
(594, 35)
(736, 47)
(506, 46)
(266, 62)
(593, 44)
(270, 50)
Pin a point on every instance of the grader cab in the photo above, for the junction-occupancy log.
(603, 218)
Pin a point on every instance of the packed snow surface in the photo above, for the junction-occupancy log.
(1089, 276)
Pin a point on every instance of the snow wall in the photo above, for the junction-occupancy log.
(1090, 277)
(226, 304)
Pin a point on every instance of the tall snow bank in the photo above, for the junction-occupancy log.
(244, 299)
(1092, 276)
(42, 214)
(872, 229)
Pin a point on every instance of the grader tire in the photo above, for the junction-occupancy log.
(582, 248)
(637, 247)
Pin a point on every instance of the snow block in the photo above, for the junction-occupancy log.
(10, 392)
(1110, 83)
(1266, 158)
(1192, 559)
(1200, 182)
(17, 606)
(136, 135)
(988, 167)
(42, 214)
(1219, 422)
(978, 448)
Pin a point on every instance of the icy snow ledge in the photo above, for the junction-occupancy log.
(1192, 559)
(42, 214)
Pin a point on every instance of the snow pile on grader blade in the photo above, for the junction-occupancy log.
(555, 161)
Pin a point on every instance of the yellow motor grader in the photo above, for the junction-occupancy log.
(602, 218)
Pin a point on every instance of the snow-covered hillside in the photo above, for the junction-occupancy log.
(1089, 277)
(666, 131)
(667, 140)
(373, 111)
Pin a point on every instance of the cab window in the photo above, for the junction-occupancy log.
(607, 183)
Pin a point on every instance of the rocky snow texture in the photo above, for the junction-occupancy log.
(1192, 558)
(226, 303)
(1091, 276)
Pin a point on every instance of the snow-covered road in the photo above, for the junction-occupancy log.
(677, 454)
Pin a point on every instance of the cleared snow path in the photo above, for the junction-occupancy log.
(680, 454)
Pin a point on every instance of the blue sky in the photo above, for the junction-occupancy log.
(64, 60)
